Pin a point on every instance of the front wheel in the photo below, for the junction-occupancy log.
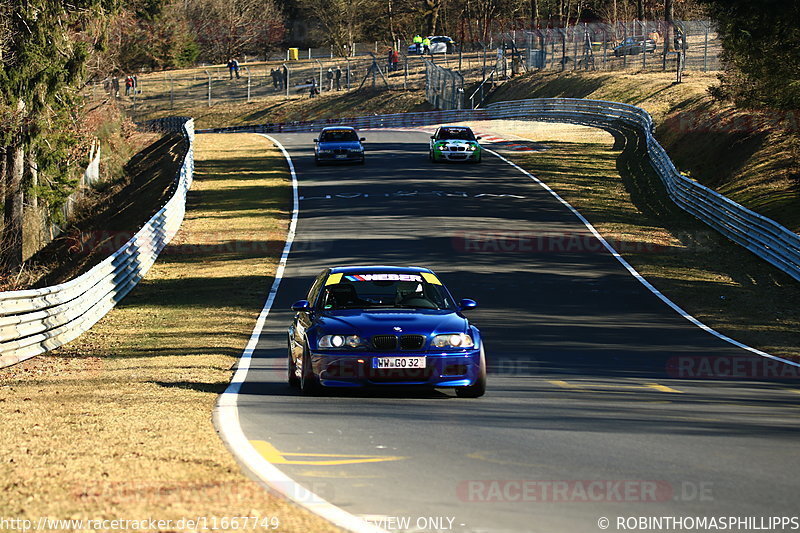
(309, 384)
(477, 389)
(293, 380)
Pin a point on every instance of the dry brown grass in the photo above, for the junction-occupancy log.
(118, 423)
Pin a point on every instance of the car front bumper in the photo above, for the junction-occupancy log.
(453, 369)
(453, 155)
(349, 157)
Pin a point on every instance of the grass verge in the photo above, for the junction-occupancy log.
(118, 423)
(717, 281)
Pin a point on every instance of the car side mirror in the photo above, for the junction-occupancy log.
(433, 136)
(466, 304)
(316, 140)
(301, 306)
(478, 138)
(362, 139)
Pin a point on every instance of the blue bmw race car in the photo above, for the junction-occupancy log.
(339, 144)
(383, 325)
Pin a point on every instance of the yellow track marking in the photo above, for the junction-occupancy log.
(271, 454)
(662, 388)
(562, 384)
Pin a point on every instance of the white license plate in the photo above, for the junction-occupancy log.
(398, 362)
(341, 156)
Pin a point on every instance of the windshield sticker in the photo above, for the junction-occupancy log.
(384, 277)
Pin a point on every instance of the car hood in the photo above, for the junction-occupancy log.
(339, 145)
(456, 142)
(412, 321)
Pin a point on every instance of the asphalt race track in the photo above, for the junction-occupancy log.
(585, 416)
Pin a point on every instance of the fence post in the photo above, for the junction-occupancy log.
(171, 91)
(705, 47)
(248, 84)
(209, 87)
(644, 46)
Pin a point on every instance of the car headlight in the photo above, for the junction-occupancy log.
(356, 150)
(324, 151)
(340, 341)
(471, 148)
(453, 340)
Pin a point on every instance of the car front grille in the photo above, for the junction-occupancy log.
(412, 342)
(340, 151)
(406, 342)
(384, 342)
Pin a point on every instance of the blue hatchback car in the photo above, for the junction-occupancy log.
(384, 325)
(338, 144)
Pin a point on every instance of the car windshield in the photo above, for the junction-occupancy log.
(338, 136)
(383, 290)
(457, 134)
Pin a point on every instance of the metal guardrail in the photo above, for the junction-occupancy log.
(38, 320)
(397, 120)
(762, 236)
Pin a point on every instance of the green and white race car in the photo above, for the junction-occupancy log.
(454, 143)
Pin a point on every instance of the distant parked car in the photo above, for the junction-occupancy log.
(439, 45)
(635, 46)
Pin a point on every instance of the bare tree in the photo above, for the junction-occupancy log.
(229, 28)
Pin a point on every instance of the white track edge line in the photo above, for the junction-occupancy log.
(226, 412)
(636, 274)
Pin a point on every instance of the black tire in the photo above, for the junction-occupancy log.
(361, 162)
(309, 384)
(316, 161)
(430, 156)
(477, 389)
(291, 372)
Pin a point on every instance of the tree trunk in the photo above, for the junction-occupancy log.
(12, 212)
(640, 9)
(11, 244)
(534, 13)
(432, 15)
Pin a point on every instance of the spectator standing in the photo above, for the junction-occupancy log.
(329, 77)
(285, 78)
(426, 45)
(115, 86)
(135, 84)
(274, 78)
(389, 61)
(236, 67)
(128, 85)
(337, 75)
(418, 43)
(230, 68)
(395, 59)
